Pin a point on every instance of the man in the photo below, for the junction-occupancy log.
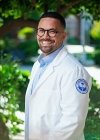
(58, 92)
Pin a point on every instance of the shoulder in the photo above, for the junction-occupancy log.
(69, 62)
(71, 66)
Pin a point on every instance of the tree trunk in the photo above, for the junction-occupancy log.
(4, 133)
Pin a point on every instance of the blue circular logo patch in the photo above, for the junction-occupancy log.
(82, 86)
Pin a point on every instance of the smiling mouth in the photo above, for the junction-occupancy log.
(46, 43)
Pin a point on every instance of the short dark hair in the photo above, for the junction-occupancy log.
(55, 15)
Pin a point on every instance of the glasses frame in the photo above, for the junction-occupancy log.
(48, 32)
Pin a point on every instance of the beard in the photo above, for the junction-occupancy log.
(46, 46)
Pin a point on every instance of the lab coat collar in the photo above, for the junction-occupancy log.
(46, 60)
(50, 69)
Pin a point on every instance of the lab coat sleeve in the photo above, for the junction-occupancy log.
(74, 106)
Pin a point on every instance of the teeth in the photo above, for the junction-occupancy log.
(46, 42)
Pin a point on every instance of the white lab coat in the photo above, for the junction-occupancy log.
(56, 110)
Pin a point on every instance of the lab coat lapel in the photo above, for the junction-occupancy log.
(45, 75)
(50, 68)
(34, 72)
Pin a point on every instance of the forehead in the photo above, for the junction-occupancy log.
(49, 22)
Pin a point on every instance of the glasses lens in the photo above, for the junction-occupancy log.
(50, 32)
(40, 32)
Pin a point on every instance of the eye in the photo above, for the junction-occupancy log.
(41, 30)
(52, 31)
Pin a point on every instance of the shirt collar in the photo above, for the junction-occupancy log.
(45, 60)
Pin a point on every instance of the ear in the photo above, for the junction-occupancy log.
(65, 34)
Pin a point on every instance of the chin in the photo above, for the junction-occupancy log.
(45, 50)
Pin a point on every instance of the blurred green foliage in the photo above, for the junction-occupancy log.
(95, 39)
(13, 84)
(95, 30)
(29, 9)
(95, 56)
(23, 48)
(26, 31)
(73, 40)
(92, 128)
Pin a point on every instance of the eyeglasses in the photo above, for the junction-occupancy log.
(50, 32)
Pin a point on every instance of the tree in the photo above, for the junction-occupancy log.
(21, 13)
(95, 31)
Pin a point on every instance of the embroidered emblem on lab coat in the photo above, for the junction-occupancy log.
(82, 86)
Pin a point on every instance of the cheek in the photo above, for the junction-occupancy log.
(59, 40)
(37, 38)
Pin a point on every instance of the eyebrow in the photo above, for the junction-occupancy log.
(48, 29)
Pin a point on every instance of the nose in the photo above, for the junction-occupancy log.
(46, 35)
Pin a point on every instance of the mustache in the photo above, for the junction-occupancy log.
(45, 40)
